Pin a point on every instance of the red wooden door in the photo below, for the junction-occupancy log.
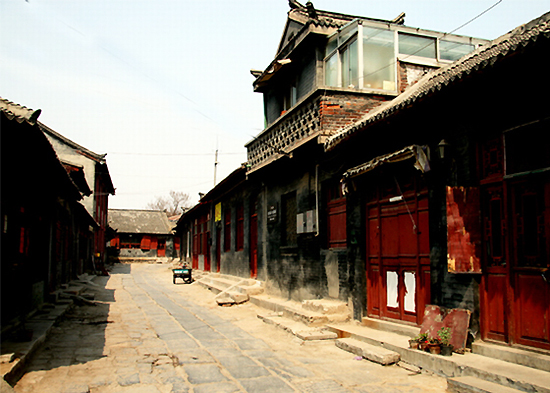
(515, 290)
(398, 263)
(161, 248)
(495, 279)
(336, 220)
(253, 239)
(530, 209)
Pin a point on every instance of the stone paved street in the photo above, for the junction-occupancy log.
(150, 336)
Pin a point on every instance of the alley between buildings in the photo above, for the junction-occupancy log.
(148, 335)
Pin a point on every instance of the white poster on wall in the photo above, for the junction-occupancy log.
(410, 291)
(391, 288)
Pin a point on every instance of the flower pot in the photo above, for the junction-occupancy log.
(446, 350)
(423, 346)
(413, 344)
(435, 349)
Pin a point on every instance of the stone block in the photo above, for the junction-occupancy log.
(370, 352)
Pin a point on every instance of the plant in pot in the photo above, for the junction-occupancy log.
(445, 335)
(434, 345)
(414, 342)
(422, 341)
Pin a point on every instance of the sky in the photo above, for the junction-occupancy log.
(161, 85)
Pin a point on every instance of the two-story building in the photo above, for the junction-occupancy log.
(386, 175)
(330, 70)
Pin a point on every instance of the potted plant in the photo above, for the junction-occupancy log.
(413, 343)
(434, 345)
(445, 335)
(422, 341)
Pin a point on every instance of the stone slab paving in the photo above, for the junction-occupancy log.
(147, 335)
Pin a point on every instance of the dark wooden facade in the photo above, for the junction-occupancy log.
(47, 235)
(436, 194)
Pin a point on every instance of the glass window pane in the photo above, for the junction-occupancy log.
(349, 65)
(378, 59)
(331, 44)
(353, 66)
(345, 67)
(331, 71)
(453, 50)
(346, 33)
(416, 45)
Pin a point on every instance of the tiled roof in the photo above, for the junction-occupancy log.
(483, 57)
(139, 221)
(19, 112)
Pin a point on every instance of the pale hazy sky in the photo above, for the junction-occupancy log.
(159, 85)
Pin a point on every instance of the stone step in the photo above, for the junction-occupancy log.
(529, 358)
(326, 306)
(373, 353)
(227, 298)
(217, 284)
(297, 328)
(308, 318)
(485, 368)
(388, 326)
(294, 310)
(476, 385)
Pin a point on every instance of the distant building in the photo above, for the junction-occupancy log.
(142, 234)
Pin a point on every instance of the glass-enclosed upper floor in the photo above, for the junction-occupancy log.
(364, 56)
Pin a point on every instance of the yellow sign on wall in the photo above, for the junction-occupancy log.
(218, 212)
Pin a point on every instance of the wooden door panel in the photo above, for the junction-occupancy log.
(373, 289)
(532, 310)
(373, 241)
(496, 303)
(407, 235)
(390, 235)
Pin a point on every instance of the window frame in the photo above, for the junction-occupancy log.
(355, 37)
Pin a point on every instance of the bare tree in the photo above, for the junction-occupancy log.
(175, 203)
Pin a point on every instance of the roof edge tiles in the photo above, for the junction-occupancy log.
(477, 60)
(95, 156)
(19, 112)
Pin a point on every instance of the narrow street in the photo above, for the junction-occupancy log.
(148, 335)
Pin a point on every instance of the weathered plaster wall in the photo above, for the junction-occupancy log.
(66, 153)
